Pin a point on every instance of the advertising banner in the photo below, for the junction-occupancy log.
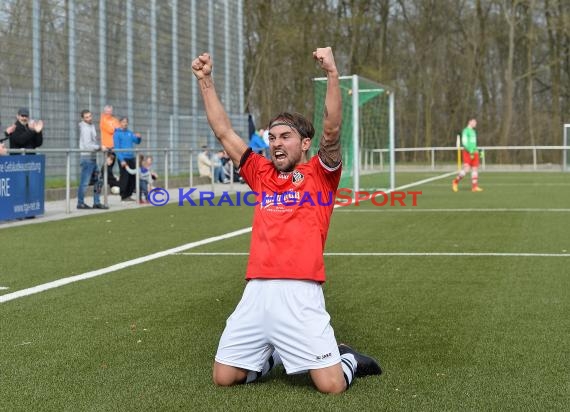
(22, 180)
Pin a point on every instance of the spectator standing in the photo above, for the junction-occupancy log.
(89, 144)
(107, 125)
(146, 176)
(123, 138)
(25, 133)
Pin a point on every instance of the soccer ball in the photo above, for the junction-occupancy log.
(115, 190)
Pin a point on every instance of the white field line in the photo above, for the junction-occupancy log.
(88, 275)
(369, 254)
(118, 266)
(4, 287)
(421, 182)
(468, 210)
(526, 185)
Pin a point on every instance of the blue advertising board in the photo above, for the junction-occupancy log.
(22, 180)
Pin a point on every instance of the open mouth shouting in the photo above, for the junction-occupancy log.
(279, 155)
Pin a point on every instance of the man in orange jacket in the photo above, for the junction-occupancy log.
(108, 124)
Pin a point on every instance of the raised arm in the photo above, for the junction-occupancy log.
(329, 147)
(215, 112)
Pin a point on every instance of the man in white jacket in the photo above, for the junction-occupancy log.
(205, 163)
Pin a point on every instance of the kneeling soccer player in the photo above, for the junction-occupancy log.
(281, 317)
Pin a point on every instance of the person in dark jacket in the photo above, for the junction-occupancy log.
(25, 133)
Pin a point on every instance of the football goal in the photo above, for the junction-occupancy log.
(367, 133)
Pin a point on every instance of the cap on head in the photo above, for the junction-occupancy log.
(23, 111)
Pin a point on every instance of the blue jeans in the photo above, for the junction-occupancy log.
(88, 168)
(219, 174)
(143, 186)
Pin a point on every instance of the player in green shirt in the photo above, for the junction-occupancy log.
(470, 157)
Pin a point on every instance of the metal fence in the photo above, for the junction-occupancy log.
(59, 57)
(184, 175)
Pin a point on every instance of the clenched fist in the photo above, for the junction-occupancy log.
(202, 66)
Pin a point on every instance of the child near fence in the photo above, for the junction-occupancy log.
(146, 176)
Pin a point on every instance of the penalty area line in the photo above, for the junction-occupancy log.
(118, 266)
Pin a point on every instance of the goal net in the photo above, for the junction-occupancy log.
(367, 133)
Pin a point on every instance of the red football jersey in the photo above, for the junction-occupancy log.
(291, 218)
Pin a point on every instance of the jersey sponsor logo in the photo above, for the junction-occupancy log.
(298, 178)
(284, 176)
(289, 198)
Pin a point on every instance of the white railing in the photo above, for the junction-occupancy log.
(371, 159)
(376, 158)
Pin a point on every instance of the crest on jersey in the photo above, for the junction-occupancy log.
(298, 177)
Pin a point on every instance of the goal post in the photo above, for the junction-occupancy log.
(566, 149)
(367, 132)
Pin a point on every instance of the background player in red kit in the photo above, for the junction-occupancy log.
(281, 316)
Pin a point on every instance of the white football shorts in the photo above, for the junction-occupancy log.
(282, 314)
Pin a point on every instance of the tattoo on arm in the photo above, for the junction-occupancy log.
(329, 147)
(329, 152)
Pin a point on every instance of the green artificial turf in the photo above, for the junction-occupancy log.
(475, 331)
